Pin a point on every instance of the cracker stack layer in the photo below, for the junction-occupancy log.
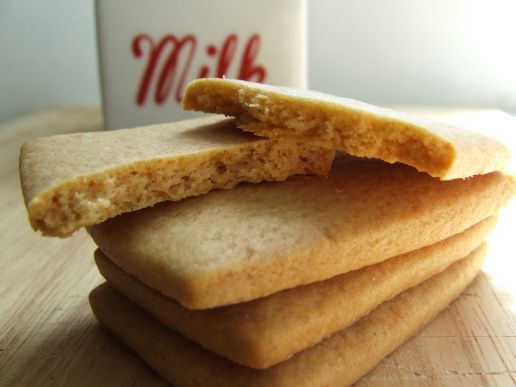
(310, 280)
(339, 360)
(255, 333)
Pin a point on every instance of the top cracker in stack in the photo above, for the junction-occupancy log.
(351, 126)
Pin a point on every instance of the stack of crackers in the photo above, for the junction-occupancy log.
(366, 224)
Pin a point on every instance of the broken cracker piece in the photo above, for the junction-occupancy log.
(75, 180)
(357, 128)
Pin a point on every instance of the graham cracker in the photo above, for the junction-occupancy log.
(75, 180)
(357, 128)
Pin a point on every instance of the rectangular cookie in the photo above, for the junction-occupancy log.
(264, 332)
(339, 360)
(359, 129)
(254, 240)
(75, 180)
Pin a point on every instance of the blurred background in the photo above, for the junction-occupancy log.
(431, 52)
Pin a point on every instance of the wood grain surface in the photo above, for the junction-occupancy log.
(49, 337)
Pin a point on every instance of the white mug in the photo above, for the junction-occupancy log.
(150, 49)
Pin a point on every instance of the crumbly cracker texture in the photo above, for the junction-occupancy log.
(357, 128)
(75, 180)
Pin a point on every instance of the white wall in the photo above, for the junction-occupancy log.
(451, 52)
(47, 55)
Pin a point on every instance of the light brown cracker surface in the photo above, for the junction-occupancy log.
(254, 240)
(264, 332)
(81, 179)
(339, 360)
(351, 126)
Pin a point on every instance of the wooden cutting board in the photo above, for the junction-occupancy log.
(48, 335)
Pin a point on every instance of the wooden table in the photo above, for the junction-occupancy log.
(48, 335)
